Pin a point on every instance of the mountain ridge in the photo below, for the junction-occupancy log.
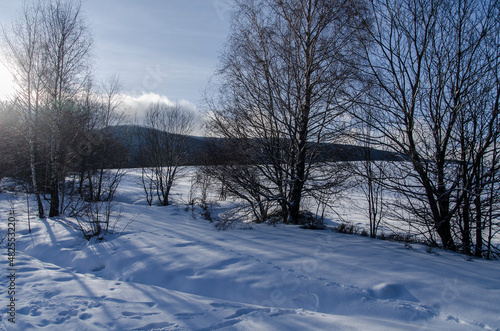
(131, 137)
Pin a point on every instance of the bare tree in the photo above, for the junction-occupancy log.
(49, 47)
(283, 82)
(164, 148)
(477, 132)
(23, 43)
(66, 49)
(369, 172)
(433, 63)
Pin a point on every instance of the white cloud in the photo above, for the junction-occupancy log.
(135, 107)
(138, 105)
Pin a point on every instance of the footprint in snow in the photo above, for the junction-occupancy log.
(71, 312)
(98, 268)
(84, 316)
(24, 311)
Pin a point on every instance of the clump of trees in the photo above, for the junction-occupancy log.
(59, 118)
(433, 70)
(418, 78)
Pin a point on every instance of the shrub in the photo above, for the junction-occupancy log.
(347, 228)
(311, 222)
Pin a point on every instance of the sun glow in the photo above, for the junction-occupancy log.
(6, 83)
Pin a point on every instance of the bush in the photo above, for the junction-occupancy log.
(399, 237)
(311, 222)
(98, 219)
(347, 228)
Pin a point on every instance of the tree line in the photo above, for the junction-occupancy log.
(418, 78)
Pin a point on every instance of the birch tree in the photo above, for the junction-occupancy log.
(283, 82)
(23, 41)
(67, 44)
(48, 48)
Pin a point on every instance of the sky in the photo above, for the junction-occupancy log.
(160, 49)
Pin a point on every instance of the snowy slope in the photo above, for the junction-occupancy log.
(171, 271)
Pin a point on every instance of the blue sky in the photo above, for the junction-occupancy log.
(167, 48)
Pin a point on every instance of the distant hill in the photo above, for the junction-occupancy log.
(130, 136)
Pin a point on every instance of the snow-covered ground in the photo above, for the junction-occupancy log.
(172, 270)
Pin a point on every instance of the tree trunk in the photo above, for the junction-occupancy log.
(166, 194)
(303, 128)
(444, 231)
(479, 214)
(34, 183)
(443, 225)
(54, 198)
(299, 180)
(466, 236)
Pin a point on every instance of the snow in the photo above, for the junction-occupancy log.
(170, 269)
